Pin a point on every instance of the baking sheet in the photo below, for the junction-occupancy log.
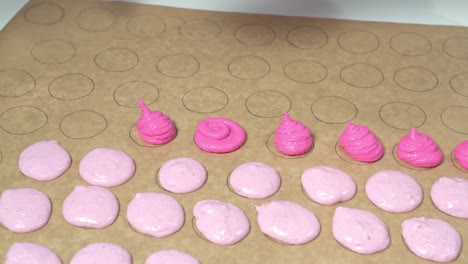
(72, 71)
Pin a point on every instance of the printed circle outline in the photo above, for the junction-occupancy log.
(25, 14)
(307, 60)
(85, 110)
(306, 26)
(443, 122)
(410, 55)
(175, 54)
(205, 112)
(197, 20)
(25, 106)
(135, 81)
(334, 123)
(366, 64)
(53, 63)
(282, 94)
(146, 14)
(255, 56)
(108, 49)
(114, 18)
(71, 73)
(416, 67)
(405, 103)
(444, 48)
(453, 88)
(358, 30)
(247, 25)
(30, 75)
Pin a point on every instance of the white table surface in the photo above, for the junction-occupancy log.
(434, 12)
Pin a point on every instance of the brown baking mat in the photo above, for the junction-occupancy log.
(72, 71)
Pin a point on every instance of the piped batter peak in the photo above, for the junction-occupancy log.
(154, 127)
(292, 137)
(419, 150)
(361, 143)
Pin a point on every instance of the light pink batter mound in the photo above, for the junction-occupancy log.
(155, 214)
(360, 231)
(288, 222)
(154, 127)
(221, 223)
(419, 150)
(182, 175)
(254, 180)
(293, 137)
(361, 144)
(92, 207)
(461, 154)
(30, 253)
(24, 210)
(44, 161)
(328, 186)
(431, 239)
(450, 195)
(219, 135)
(99, 253)
(394, 191)
(106, 167)
(171, 257)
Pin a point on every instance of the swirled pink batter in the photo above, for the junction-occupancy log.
(328, 186)
(106, 167)
(154, 127)
(182, 175)
(360, 231)
(24, 210)
(254, 180)
(92, 207)
(98, 253)
(431, 239)
(44, 161)
(155, 214)
(394, 191)
(361, 143)
(461, 154)
(30, 253)
(450, 195)
(419, 150)
(293, 137)
(219, 135)
(171, 257)
(288, 222)
(221, 223)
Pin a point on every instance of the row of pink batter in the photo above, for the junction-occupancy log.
(221, 135)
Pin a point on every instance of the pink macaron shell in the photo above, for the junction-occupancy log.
(328, 186)
(431, 239)
(394, 191)
(30, 253)
(360, 231)
(361, 143)
(254, 180)
(106, 167)
(171, 257)
(450, 195)
(154, 127)
(288, 222)
(221, 223)
(99, 253)
(461, 154)
(24, 210)
(155, 214)
(419, 150)
(219, 135)
(182, 175)
(292, 137)
(44, 161)
(91, 207)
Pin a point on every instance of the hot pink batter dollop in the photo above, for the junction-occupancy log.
(154, 127)
(219, 135)
(461, 154)
(99, 253)
(431, 239)
(171, 257)
(155, 214)
(328, 186)
(182, 175)
(288, 222)
(361, 144)
(450, 195)
(360, 231)
(419, 150)
(254, 180)
(293, 137)
(394, 191)
(44, 160)
(92, 207)
(24, 210)
(30, 253)
(221, 223)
